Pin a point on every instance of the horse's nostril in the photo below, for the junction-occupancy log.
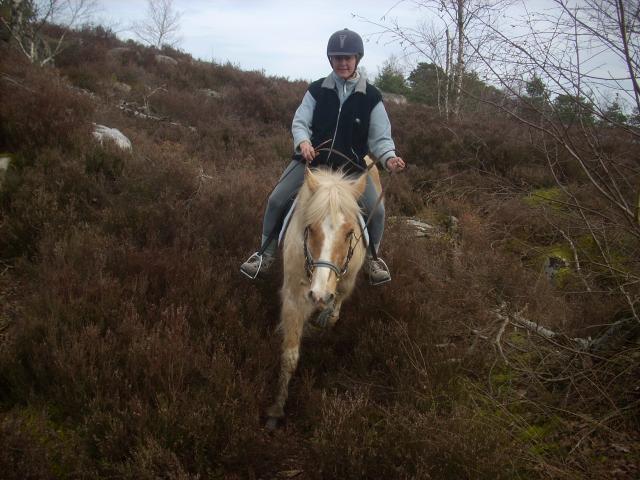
(330, 297)
(310, 295)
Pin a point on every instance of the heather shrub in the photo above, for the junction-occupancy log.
(43, 195)
(33, 446)
(39, 109)
(421, 137)
(131, 347)
(357, 439)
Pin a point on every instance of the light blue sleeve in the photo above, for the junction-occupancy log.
(301, 125)
(380, 142)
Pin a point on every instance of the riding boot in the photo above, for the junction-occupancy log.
(257, 264)
(377, 270)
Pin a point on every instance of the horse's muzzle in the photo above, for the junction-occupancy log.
(321, 299)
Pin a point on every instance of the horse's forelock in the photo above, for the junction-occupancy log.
(334, 195)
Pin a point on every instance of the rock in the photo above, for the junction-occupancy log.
(554, 266)
(122, 53)
(121, 87)
(394, 98)
(210, 93)
(452, 223)
(619, 335)
(166, 60)
(422, 229)
(118, 51)
(5, 161)
(102, 133)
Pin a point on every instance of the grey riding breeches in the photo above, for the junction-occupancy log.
(287, 188)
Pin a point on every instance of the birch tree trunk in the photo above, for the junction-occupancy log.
(447, 72)
(460, 57)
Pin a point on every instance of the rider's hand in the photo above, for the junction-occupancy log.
(395, 164)
(307, 151)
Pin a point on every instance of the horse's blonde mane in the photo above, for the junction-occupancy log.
(334, 195)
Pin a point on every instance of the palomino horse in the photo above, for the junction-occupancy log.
(323, 253)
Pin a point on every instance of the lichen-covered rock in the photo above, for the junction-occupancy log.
(210, 93)
(5, 161)
(166, 60)
(102, 133)
(554, 267)
(122, 88)
(422, 229)
(394, 98)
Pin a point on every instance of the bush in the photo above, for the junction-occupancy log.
(39, 109)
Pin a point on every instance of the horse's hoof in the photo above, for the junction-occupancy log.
(272, 424)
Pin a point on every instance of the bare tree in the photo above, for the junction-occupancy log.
(443, 42)
(586, 52)
(28, 19)
(161, 25)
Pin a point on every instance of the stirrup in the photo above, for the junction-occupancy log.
(382, 282)
(257, 255)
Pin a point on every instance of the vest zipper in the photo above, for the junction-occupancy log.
(335, 132)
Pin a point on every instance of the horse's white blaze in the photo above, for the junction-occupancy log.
(322, 274)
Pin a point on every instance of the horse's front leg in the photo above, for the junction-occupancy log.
(292, 322)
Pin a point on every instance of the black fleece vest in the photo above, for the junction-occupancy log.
(349, 123)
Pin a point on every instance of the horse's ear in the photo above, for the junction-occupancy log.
(360, 184)
(311, 180)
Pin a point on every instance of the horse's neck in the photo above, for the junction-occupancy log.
(295, 229)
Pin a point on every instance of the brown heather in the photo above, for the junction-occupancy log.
(130, 346)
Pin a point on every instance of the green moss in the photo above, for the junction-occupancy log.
(52, 445)
(545, 197)
(517, 338)
(534, 432)
(540, 436)
(502, 378)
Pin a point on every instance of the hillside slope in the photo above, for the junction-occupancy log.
(130, 346)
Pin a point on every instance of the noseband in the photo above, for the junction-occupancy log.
(310, 264)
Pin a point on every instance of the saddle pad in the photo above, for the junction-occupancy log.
(287, 219)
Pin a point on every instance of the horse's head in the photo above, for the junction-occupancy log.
(331, 233)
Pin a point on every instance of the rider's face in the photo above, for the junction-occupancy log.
(344, 65)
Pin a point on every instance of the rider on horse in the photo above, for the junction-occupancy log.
(345, 114)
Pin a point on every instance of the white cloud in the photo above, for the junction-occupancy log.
(283, 37)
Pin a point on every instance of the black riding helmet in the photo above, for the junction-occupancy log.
(345, 42)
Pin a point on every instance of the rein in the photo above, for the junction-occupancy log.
(366, 170)
(309, 263)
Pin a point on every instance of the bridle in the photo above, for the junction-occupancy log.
(310, 264)
(366, 171)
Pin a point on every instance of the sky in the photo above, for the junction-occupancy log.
(288, 38)
(282, 37)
